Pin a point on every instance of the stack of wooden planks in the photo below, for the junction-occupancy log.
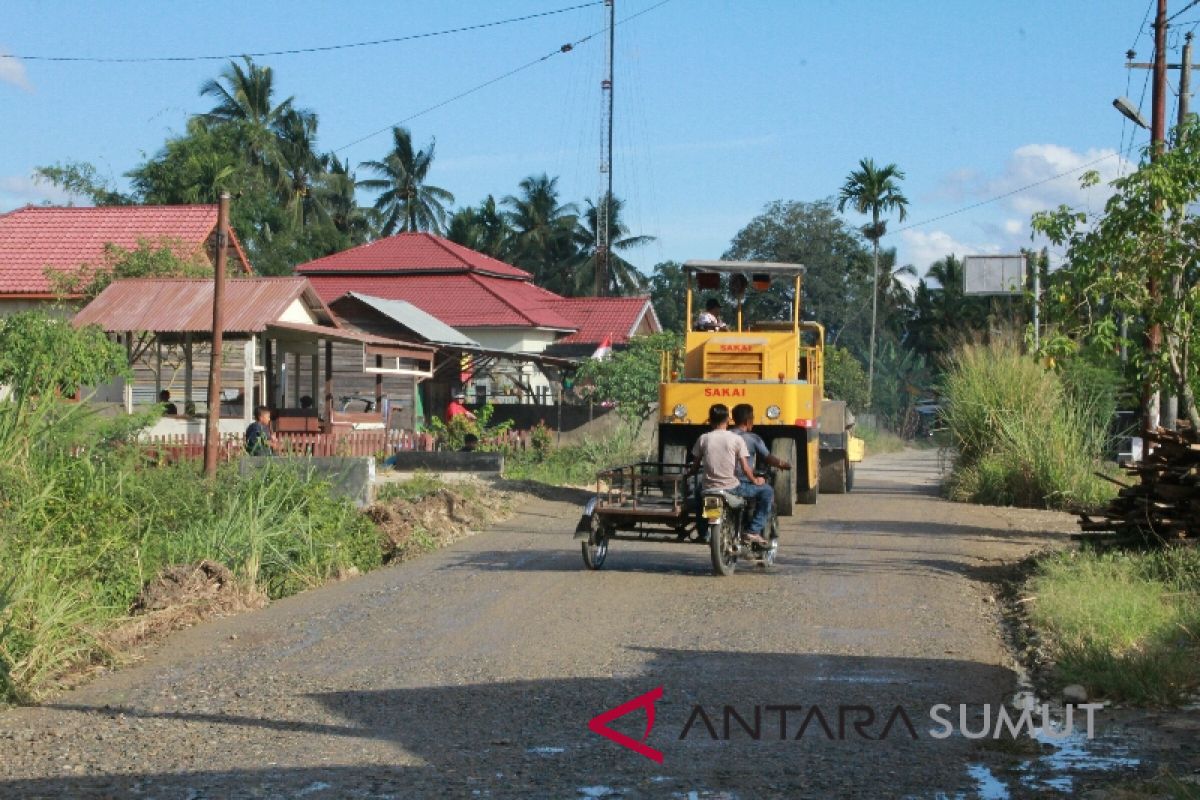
(1163, 506)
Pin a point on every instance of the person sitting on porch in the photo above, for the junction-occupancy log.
(259, 439)
(456, 407)
(306, 403)
(470, 443)
(164, 397)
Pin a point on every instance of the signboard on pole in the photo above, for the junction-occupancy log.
(990, 275)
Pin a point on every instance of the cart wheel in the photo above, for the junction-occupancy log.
(595, 549)
(723, 547)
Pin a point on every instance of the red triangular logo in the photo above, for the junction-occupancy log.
(599, 724)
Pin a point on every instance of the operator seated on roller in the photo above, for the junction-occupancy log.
(710, 318)
(721, 452)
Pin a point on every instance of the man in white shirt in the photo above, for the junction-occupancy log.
(720, 453)
(710, 318)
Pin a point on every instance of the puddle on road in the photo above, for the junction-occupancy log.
(987, 785)
(1054, 771)
(546, 751)
(859, 679)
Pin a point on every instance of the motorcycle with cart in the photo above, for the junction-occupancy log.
(658, 502)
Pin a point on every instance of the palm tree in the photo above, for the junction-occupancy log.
(483, 228)
(876, 191)
(244, 99)
(621, 278)
(544, 231)
(300, 168)
(335, 186)
(407, 202)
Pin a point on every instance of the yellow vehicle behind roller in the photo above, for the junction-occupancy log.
(775, 365)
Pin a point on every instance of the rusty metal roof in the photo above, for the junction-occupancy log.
(181, 305)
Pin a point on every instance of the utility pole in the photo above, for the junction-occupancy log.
(1164, 411)
(1170, 401)
(603, 212)
(212, 428)
(1158, 138)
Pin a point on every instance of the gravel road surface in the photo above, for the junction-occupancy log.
(473, 672)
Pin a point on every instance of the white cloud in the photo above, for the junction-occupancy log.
(12, 70)
(1050, 171)
(922, 248)
(1041, 163)
(1013, 226)
(21, 190)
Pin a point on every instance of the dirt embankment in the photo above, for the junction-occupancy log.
(409, 527)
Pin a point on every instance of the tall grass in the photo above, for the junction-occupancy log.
(576, 465)
(1021, 438)
(1124, 625)
(86, 523)
(878, 441)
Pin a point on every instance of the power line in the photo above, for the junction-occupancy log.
(566, 48)
(1185, 8)
(1141, 28)
(1024, 188)
(301, 50)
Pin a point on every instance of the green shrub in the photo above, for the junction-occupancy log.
(1021, 438)
(878, 440)
(86, 522)
(1124, 625)
(845, 378)
(451, 435)
(575, 465)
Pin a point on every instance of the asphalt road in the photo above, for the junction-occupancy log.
(473, 672)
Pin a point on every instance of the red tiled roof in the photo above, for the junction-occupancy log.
(180, 305)
(598, 317)
(411, 252)
(37, 237)
(463, 300)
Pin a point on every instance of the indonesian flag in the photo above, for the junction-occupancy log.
(604, 350)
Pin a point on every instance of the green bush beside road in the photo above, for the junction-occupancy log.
(1126, 626)
(86, 523)
(1022, 435)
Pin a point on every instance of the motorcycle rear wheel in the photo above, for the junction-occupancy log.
(723, 547)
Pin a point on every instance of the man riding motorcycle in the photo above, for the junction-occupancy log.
(721, 453)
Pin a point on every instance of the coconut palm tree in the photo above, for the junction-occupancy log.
(244, 94)
(544, 230)
(406, 201)
(621, 278)
(876, 191)
(334, 187)
(300, 168)
(483, 228)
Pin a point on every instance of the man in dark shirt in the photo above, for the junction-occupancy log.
(164, 399)
(743, 425)
(259, 439)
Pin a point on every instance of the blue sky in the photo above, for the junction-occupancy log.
(721, 107)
